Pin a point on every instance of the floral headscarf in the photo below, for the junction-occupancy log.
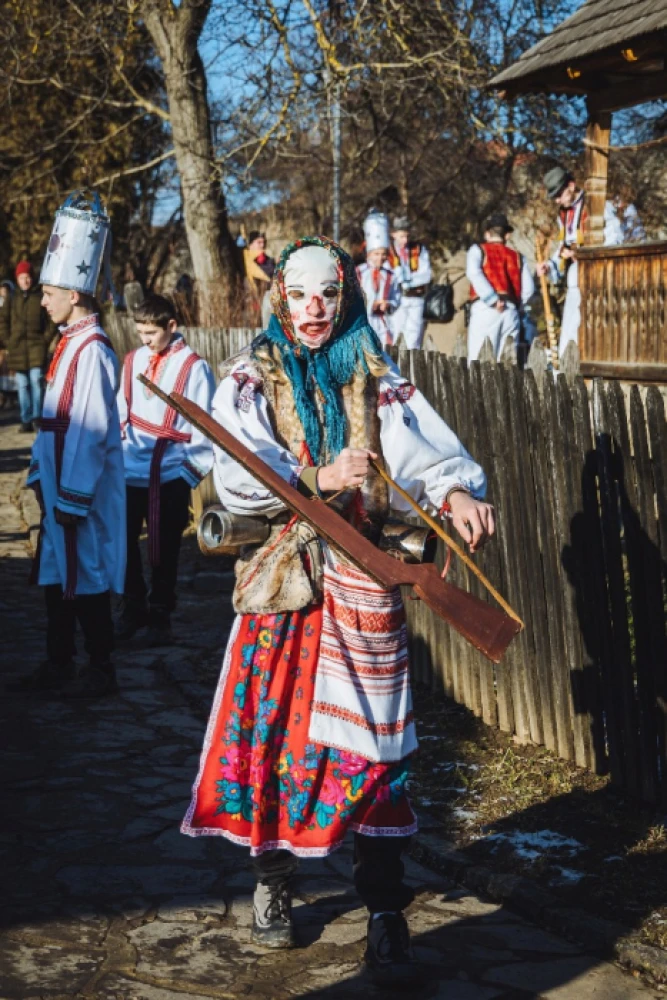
(330, 366)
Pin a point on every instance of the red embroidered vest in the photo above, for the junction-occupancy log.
(502, 266)
(413, 252)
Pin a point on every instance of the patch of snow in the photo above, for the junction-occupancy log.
(465, 814)
(452, 765)
(567, 876)
(614, 857)
(532, 845)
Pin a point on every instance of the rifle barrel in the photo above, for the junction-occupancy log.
(489, 629)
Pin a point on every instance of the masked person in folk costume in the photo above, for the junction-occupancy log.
(312, 729)
(165, 458)
(500, 286)
(77, 462)
(412, 267)
(377, 279)
(572, 217)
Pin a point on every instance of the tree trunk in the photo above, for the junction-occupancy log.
(175, 31)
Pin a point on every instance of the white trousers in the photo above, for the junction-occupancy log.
(486, 321)
(571, 319)
(409, 321)
(382, 327)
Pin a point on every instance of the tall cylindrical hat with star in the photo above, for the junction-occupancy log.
(376, 231)
(80, 245)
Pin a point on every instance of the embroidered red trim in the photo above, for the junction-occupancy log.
(401, 394)
(379, 728)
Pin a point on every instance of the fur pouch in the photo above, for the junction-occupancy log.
(282, 575)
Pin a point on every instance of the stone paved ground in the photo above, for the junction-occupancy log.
(104, 899)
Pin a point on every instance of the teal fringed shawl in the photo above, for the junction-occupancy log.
(327, 369)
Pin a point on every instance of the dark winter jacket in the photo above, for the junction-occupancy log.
(26, 330)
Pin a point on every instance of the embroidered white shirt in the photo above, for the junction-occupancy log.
(190, 460)
(92, 484)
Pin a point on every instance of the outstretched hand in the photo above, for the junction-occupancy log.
(474, 520)
(349, 469)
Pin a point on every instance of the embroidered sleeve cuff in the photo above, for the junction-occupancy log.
(464, 486)
(33, 474)
(191, 474)
(308, 482)
(74, 502)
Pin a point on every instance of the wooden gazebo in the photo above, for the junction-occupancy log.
(613, 52)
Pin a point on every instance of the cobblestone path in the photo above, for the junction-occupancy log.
(103, 898)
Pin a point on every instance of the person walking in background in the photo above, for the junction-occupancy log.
(412, 267)
(257, 252)
(259, 268)
(7, 379)
(377, 279)
(622, 223)
(7, 289)
(77, 464)
(27, 332)
(561, 187)
(500, 285)
(164, 459)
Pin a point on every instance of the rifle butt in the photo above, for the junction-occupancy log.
(487, 628)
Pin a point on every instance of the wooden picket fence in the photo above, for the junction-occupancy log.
(578, 477)
(216, 345)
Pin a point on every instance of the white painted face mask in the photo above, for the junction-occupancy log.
(311, 285)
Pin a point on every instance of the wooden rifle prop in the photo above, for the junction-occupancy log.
(540, 247)
(487, 628)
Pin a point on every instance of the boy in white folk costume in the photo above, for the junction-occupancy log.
(77, 463)
(377, 279)
(165, 458)
(412, 266)
(500, 286)
(561, 188)
(312, 729)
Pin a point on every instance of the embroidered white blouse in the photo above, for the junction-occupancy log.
(422, 454)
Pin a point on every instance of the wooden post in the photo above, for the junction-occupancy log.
(598, 131)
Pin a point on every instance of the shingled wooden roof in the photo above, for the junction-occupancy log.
(584, 53)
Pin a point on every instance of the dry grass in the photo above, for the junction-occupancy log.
(493, 795)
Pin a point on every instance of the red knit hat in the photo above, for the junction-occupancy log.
(23, 267)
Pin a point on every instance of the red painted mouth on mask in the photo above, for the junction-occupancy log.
(314, 328)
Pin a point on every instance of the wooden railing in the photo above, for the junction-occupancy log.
(623, 332)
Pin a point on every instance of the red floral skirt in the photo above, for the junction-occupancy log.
(261, 782)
